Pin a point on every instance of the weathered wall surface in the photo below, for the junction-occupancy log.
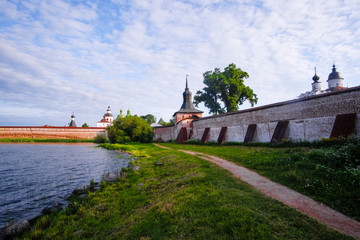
(51, 132)
(165, 133)
(310, 118)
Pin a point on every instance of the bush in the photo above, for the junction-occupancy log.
(338, 156)
(130, 129)
(100, 138)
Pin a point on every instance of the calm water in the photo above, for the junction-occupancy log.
(34, 175)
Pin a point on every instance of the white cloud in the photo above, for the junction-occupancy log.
(73, 56)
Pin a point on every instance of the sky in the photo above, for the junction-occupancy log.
(59, 57)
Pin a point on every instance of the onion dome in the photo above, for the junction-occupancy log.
(72, 123)
(316, 77)
(334, 74)
(108, 114)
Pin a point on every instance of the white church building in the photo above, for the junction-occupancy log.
(335, 83)
(107, 119)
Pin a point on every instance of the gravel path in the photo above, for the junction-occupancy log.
(303, 204)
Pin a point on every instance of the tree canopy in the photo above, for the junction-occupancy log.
(163, 123)
(149, 118)
(228, 87)
(130, 129)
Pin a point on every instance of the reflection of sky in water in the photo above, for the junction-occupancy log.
(33, 175)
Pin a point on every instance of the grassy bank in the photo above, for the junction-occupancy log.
(185, 198)
(43, 140)
(329, 174)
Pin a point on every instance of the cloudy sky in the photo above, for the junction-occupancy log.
(63, 57)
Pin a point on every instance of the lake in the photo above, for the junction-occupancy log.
(34, 175)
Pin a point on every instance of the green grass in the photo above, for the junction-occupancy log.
(43, 140)
(330, 175)
(186, 198)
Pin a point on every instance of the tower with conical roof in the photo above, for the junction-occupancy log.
(187, 109)
(72, 123)
(185, 116)
(335, 81)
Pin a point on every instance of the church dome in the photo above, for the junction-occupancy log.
(108, 114)
(334, 74)
(316, 77)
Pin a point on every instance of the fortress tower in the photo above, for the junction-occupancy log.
(187, 110)
(185, 116)
(72, 123)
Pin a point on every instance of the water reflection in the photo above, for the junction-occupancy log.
(33, 175)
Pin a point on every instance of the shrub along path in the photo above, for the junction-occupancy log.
(286, 195)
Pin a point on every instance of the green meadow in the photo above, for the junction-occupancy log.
(327, 171)
(172, 195)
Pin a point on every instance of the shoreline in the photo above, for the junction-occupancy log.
(45, 140)
(53, 143)
(64, 200)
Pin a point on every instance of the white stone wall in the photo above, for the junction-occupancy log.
(310, 118)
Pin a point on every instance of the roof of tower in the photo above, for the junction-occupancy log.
(187, 106)
(72, 123)
(316, 77)
(334, 74)
(108, 114)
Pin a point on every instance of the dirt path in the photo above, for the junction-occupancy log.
(304, 204)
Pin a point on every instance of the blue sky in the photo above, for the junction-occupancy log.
(63, 57)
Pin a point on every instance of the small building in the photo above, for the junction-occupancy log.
(72, 123)
(107, 119)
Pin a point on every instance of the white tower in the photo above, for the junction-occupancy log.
(316, 85)
(335, 80)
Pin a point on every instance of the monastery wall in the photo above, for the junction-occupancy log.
(51, 132)
(165, 133)
(310, 118)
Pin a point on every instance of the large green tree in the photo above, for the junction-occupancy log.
(227, 87)
(130, 129)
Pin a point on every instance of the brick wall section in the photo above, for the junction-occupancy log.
(51, 132)
(165, 133)
(310, 118)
